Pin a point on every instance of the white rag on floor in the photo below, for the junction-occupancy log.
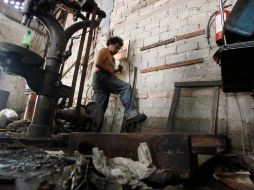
(125, 170)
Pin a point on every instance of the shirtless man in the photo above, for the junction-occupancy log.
(106, 82)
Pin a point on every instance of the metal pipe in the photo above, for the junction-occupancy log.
(41, 125)
(69, 32)
(85, 62)
(76, 27)
(76, 69)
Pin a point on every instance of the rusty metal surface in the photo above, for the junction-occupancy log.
(85, 62)
(169, 151)
(77, 64)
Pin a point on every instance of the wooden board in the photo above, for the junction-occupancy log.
(190, 35)
(202, 143)
(174, 39)
(158, 44)
(172, 65)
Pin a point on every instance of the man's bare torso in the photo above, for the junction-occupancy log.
(104, 61)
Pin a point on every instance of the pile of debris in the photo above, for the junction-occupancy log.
(9, 121)
(25, 167)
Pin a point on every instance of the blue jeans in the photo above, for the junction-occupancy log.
(104, 83)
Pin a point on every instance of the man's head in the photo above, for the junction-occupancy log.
(114, 44)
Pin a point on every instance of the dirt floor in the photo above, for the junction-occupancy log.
(25, 167)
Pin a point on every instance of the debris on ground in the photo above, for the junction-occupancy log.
(58, 153)
(9, 113)
(19, 126)
(78, 175)
(29, 166)
(236, 180)
(7, 116)
(125, 170)
(249, 161)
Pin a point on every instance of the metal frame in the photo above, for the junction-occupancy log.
(195, 84)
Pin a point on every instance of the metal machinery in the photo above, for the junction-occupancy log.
(236, 56)
(44, 76)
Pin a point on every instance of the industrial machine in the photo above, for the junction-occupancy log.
(236, 56)
(44, 76)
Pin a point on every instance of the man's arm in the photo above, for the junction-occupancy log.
(100, 61)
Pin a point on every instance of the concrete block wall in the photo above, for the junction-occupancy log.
(145, 22)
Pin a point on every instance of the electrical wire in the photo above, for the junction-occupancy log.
(208, 34)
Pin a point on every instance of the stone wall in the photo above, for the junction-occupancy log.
(145, 22)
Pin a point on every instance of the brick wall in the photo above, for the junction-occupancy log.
(145, 22)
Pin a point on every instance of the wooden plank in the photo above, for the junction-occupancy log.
(158, 44)
(168, 151)
(205, 150)
(172, 40)
(173, 65)
(171, 118)
(201, 141)
(199, 84)
(190, 35)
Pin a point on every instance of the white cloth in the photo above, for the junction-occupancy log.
(125, 170)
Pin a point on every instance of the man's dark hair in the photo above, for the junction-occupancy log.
(115, 40)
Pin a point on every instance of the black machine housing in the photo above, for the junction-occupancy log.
(236, 58)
